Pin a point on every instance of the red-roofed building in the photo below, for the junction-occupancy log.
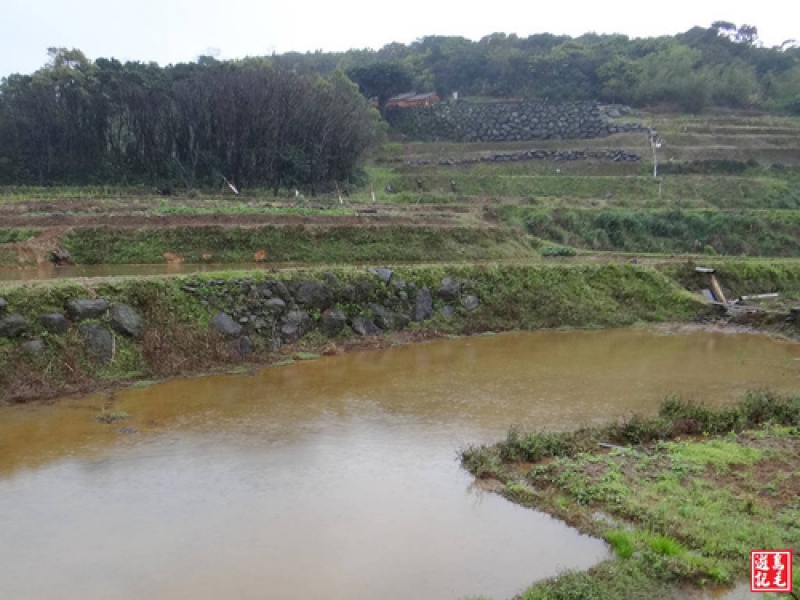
(413, 99)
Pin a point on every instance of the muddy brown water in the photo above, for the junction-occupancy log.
(334, 478)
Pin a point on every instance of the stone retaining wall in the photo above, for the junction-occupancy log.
(69, 336)
(618, 155)
(505, 121)
(251, 313)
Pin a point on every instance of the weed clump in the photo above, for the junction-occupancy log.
(675, 512)
(556, 251)
(622, 542)
(534, 446)
(677, 417)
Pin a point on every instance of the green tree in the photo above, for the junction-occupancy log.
(733, 85)
(382, 80)
(673, 75)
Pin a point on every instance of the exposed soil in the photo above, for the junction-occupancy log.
(39, 249)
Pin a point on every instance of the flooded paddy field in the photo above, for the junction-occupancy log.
(335, 478)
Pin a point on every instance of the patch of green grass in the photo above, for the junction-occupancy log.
(20, 234)
(741, 233)
(533, 447)
(718, 453)
(283, 363)
(215, 207)
(319, 244)
(483, 462)
(665, 545)
(306, 356)
(548, 251)
(692, 510)
(622, 541)
(520, 493)
(145, 383)
(8, 258)
(112, 417)
(611, 580)
(532, 179)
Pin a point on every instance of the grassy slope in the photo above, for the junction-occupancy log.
(11, 235)
(301, 243)
(719, 163)
(761, 189)
(178, 339)
(691, 494)
(739, 277)
(751, 233)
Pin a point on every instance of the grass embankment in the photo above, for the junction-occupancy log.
(177, 338)
(682, 501)
(747, 277)
(760, 189)
(12, 235)
(739, 277)
(751, 233)
(323, 244)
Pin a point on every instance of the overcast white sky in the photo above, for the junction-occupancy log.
(168, 31)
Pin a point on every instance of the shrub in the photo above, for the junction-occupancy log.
(558, 251)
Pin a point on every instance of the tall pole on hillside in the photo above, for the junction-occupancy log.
(655, 143)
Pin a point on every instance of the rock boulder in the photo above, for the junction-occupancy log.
(13, 325)
(332, 322)
(470, 303)
(449, 290)
(382, 273)
(313, 294)
(295, 325)
(126, 321)
(82, 309)
(33, 347)
(423, 304)
(364, 326)
(98, 339)
(54, 322)
(225, 324)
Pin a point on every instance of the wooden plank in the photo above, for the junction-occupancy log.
(717, 290)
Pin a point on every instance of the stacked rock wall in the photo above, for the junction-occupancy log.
(254, 314)
(68, 336)
(505, 121)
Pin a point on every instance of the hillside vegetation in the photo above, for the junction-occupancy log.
(297, 121)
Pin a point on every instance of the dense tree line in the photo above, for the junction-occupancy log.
(78, 121)
(722, 65)
(297, 119)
